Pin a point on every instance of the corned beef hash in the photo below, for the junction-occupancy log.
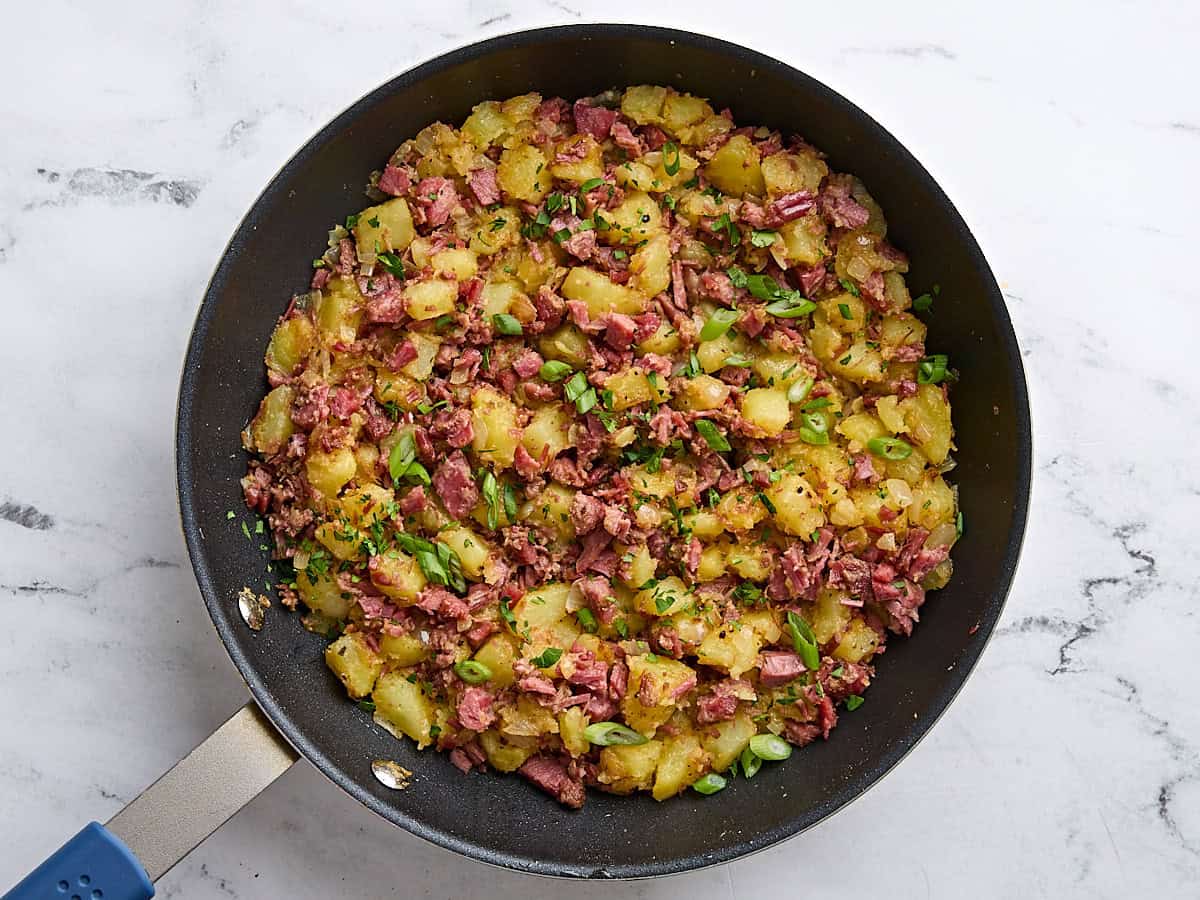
(605, 446)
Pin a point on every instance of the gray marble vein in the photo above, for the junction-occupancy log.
(136, 135)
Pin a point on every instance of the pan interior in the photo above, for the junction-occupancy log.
(501, 819)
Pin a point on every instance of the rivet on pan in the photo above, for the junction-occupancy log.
(391, 774)
(251, 606)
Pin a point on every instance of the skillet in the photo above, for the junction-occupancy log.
(502, 820)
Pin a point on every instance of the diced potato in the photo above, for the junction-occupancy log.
(644, 103)
(527, 719)
(861, 428)
(272, 427)
(634, 176)
(735, 169)
(779, 370)
(547, 432)
(292, 340)
(634, 385)
(403, 649)
(585, 164)
(641, 568)
(803, 241)
(551, 508)
(339, 311)
(635, 219)
(797, 509)
(542, 606)
(459, 262)
(702, 392)
(366, 457)
(712, 563)
(682, 110)
(625, 769)
(343, 541)
(494, 417)
(733, 647)
(712, 354)
(486, 124)
(683, 760)
(503, 754)
(600, 294)
(786, 173)
(523, 174)
(725, 741)
(704, 524)
(861, 363)
(495, 234)
(367, 504)
(933, 502)
(667, 597)
(398, 576)
(404, 705)
(388, 226)
(751, 561)
(900, 329)
(890, 414)
(927, 416)
(498, 654)
(665, 341)
(401, 390)
(567, 344)
(740, 510)
(430, 299)
(858, 643)
(664, 483)
(328, 472)
(571, 723)
(767, 408)
(765, 622)
(322, 595)
(427, 347)
(355, 663)
(651, 266)
(829, 615)
(666, 677)
(472, 550)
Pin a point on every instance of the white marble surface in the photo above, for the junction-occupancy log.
(1067, 133)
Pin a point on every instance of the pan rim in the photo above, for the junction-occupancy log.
(524, 863)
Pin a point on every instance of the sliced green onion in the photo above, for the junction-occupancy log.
(670, 157)
(751, 763)
(817, 438)
(709, 784)
(770, 747)
(789, 309)
(923, 303)
(890, 448)
(403, 453)
(958, 525)
(392, 263)
(804, 642)
(815, 421)
(764, 238)
(799, 390)
(586, 400)
(587, 621)
(718, 323)
(418, 473)
(853, 702)
(506, 324)
(738, 278)
(575, 386)
(472, 671)
(932, 369)
(844, 309)
(818, 403)
(547, 657)
(510, 502)
(849, 287)
(712, 435)
(738, 360)
(553, 370)
(609, 734)
(367, 705)
(490, 489)
(590, 185)
(506, 614)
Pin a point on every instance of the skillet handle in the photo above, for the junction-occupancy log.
(120, 861)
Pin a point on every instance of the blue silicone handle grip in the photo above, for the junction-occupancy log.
(93, 865)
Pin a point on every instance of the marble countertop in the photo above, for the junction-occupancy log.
(136, 135)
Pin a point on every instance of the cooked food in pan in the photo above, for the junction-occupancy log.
(606, 446)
